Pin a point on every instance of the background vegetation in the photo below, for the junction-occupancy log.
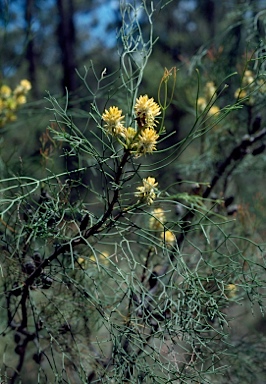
(132, 258)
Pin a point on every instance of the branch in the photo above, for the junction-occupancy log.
(237, 154)
(78, 240)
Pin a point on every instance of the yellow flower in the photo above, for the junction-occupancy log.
(202, 103)
(168, 237)
(5, 91)
(210, 90)
(26, 85)
(23, 88)
(21, 99)
(147, 191)
(11, 104)
(230, 290)
(209, 94)
(147, 141)
(102, 258)
(157, 219)
(240, 93)
(129, 134)
(248, 78)
(146, 111)
(262, 86)
(81, 262)
(214, 110)
(114, 121)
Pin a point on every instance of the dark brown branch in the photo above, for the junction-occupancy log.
(21, 349)
(78, 240)
(237, 154)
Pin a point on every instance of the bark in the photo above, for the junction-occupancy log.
(66, 34)
(30, 49)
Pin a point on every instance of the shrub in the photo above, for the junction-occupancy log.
(116, 269)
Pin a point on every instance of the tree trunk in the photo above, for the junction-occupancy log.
(30, 51)
(67, 42)
(207, 9)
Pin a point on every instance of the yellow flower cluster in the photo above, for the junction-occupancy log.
(103, 259)
(147, 140)
(146, 111)
(157, 219)
(209, 94)
(156, 223)
(248, 85)
(168, 238)
(142, 139)
(247, 80)
(10, 100)
(230, 291)
(147, 191)
(113, 121)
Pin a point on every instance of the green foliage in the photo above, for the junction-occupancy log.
(133, 255)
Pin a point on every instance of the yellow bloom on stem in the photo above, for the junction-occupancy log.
(210, 90)
(262, 86)
(23, 88)
(147, 140)
(147, 192)
(146, 110)
(5, 91)
(21, 99)
(157, 219)
(240, 93)
(26, 85)
(230, 290)
(202, 103)
(11, 100)
(114, 121)
(248, 78)
(81, 260)
(209, 94)
(102, 258)
(11, 104)
(169, 238)
(129, 134)
(214, 110)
